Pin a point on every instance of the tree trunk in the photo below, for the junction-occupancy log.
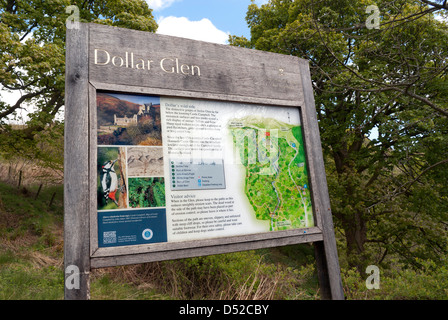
(352, 217)
(123, 195)
(356, 236)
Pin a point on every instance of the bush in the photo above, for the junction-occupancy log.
(240, 275)
(401, 283)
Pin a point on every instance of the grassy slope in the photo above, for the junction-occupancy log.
(31, 266)
(31, 263)
(31, 243)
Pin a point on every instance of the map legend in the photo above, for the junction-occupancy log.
(197, 174)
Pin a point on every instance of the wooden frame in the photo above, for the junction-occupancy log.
(221, 73)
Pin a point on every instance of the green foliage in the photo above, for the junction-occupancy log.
(31, 267)
(31, 260)
(382, 111)
(23, 212)
(147, 192)
(32, 63)
(400, 283)
(24, 282)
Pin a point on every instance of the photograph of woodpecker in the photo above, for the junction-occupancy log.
(109, 181)
(111, 168)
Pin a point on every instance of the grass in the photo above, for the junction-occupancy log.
(23, 280)
(31, 262)
(31, 266)
(31, 248)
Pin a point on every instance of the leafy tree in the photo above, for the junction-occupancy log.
(32, 61)
(383, 115)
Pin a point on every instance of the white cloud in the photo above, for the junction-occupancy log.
(21, 114)
(442, 16)
(160, 4)
(203, 30)
(261, 2)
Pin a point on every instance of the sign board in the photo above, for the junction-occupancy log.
(177, 148)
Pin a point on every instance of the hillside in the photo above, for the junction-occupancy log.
(31, 263)
(31, 266)
(109, 105)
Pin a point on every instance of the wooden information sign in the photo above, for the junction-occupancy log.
(177, 148)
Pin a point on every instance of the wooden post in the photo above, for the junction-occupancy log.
(20, 179)
(38, 192)
(76, 167)
(52, 199)
(326, 254)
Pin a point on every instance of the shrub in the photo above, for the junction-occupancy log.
(401, 283)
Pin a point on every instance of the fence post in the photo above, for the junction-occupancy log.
(38, 192)
(20, 179)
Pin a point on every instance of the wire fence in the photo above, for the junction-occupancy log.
(27, 174)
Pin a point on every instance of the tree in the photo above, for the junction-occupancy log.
(32, 43)
(383, 115)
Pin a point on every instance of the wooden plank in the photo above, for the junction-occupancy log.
(93, 150)
(102, 262)
(171, 246)
(327, 256)
(218, 69)
(76, 164)
(195, 95)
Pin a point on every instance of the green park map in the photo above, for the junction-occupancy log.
(276, 178)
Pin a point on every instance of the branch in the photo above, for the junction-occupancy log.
(407, 185)
(19, 102)
(383, 86)
(436, 5)
(52, 107)
(426, 101)
(421, 174)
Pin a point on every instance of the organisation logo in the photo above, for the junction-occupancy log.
(147, 234)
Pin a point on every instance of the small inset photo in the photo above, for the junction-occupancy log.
(111, 183)
(126, 119)
(146, 192)
(145, 161)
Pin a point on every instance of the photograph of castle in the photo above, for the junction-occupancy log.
(125, 119)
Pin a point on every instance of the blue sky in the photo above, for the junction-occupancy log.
(207, 20)
(140, 99)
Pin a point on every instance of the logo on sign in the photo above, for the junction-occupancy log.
(147, 234)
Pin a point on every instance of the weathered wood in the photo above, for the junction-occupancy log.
(100, 262)
(224, 70)
(76, 163)
(93, 136)
(195, 95)
(236, 241)
(327, 255)
(177, 67)
(322, 271)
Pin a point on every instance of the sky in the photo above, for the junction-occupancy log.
(206, 20)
